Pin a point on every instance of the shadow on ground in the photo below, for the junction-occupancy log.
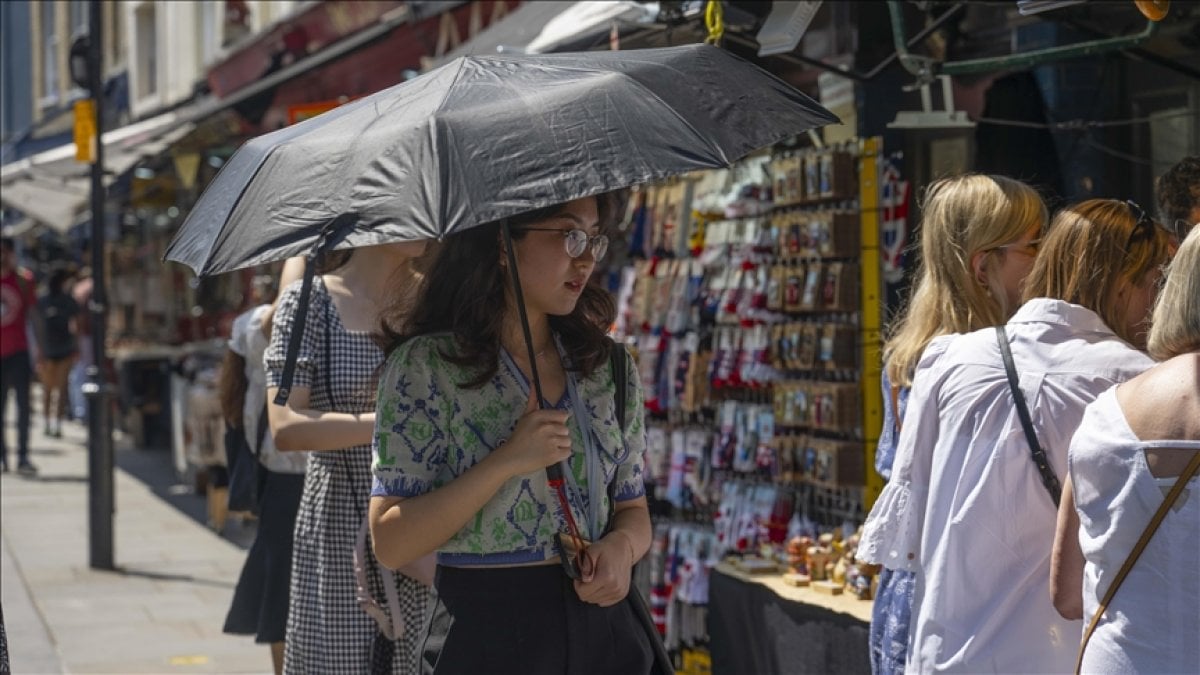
(155, 469)
(164, 576)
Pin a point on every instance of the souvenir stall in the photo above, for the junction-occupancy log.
(751, 297)
(168, 328)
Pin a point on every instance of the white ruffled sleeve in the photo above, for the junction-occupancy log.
(892, 534)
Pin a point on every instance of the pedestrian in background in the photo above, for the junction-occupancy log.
(968, 509)
(331, 415)
(979, 236)
(260, 600)
(81, 292)
(57, 314)
(462, 445)
(17, 309)
(1178, 194)
(1131, 448)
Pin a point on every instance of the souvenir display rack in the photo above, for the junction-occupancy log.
(752, 302)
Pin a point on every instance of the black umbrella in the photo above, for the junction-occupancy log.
(483, 138)
(480, 139)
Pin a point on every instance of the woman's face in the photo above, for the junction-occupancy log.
(1013, 263)
(551, 280)
(1138, 301)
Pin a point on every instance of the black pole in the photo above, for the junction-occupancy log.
(100, 450)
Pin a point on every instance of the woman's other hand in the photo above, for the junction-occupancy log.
(612, 565)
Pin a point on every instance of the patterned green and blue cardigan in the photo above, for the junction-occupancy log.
(429, 430)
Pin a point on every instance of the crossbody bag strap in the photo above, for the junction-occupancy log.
(895, 395)
(392, 627)
(1151, 528)
(261, 431)
(616, 362)
(1049, 480)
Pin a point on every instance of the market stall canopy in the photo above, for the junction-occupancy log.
(53, 188)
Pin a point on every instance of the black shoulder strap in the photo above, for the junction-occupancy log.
(261, 432)
(299, 322)
(1039, 455)
(616, 361)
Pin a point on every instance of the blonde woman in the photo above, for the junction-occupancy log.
(967, 509)
(979, 236)
(1134, 442)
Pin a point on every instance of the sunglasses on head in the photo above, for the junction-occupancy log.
(576, 241)
(1143, 226)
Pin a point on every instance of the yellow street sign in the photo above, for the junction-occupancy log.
(85, 130)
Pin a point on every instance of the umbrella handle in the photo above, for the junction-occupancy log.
(554, 471)
(520, 298)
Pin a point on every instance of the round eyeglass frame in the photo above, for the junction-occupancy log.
(576, 241)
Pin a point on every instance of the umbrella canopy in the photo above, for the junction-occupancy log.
(483, 138)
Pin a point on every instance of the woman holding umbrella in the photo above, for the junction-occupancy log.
(463, 448)
(330, 414)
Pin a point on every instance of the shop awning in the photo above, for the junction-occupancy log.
(405, 14)
(541, 27)
(53, 189)
(19, 227)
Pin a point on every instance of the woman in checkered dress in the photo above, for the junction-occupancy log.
(330, 414)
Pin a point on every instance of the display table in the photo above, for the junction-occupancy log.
(760, 625)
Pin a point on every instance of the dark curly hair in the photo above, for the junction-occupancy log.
(464, 294)
(1178, 191)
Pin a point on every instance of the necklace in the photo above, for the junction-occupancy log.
(524, 353)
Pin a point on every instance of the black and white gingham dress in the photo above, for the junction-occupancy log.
(327, 631)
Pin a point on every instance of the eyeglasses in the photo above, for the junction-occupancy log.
(1143, 227)
(573, 555)
(576, 241)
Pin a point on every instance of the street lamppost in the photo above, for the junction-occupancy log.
(87, 65)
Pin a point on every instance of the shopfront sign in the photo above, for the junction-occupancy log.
(85, 130)
(302, 111)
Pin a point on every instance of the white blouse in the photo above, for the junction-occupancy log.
(966, 509)
(247, 340)
(1153, 622)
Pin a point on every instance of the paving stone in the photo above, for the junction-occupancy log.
(161, 612)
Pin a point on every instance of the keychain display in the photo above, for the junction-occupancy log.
(745, 312)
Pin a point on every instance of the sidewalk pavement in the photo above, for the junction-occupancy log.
(161, 611)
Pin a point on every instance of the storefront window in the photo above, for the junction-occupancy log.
(147, 51)
(79, 17)
(49, 55)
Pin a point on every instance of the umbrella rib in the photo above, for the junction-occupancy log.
(224, 233)
(695, 132)
(450, 89)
